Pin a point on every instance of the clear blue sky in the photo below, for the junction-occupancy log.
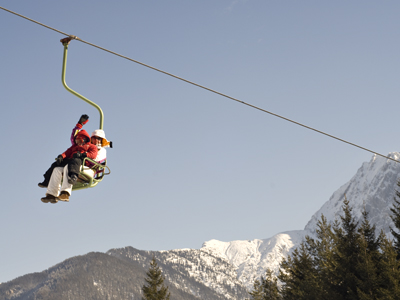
(188, 165)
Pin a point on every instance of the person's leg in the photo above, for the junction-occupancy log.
(66, 187)
(54, 185)
(74, 166)
(47, 176)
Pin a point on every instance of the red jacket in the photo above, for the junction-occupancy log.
(89, 148)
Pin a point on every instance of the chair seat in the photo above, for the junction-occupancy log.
(90, 176)
(86, 171)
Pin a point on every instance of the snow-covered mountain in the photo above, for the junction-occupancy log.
(191, 270)
(372, 187)
(252, 257)
(219, 270)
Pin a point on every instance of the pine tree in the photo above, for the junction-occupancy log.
(299, 276)
(155, 289)
(323, 250)
(270, 286)
(257, 292)
(367, 262)
(389, 270)
(346, 254)
(345, 261)
(396, 220)
(266, 288)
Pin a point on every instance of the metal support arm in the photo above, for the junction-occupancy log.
(65, 42)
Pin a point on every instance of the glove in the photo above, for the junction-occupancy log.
(59, 159)
(83, 120)
(79, 155)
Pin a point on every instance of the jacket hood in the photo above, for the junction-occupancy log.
(83, 133)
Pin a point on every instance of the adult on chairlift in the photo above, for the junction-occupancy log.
(65, 175)
(82, 121)
(98, 139)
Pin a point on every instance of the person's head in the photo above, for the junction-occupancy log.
(82, 138)
(97, 138)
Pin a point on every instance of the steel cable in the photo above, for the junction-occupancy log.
(200, 86)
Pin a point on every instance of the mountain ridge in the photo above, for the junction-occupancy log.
(372, 187)
(218, 270)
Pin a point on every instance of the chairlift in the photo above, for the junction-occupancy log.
(85, 178)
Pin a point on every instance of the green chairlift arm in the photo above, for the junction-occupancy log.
(65, 42)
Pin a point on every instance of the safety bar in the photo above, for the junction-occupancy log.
(90, 181)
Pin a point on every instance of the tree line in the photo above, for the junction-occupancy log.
(346, 260)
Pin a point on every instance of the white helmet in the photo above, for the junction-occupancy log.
(99, 133)
(104, 143)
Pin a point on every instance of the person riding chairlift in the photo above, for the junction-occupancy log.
(98, 139)
(82, 121)
(67, 171)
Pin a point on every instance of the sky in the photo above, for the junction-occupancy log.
(189, 165)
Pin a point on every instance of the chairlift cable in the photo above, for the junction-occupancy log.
(200, 86)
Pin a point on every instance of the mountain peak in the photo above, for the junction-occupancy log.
(372, 187)
(252, 257)
(219, 270)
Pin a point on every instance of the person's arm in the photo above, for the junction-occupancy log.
(68, 152)
(82, 121)
(92, 152)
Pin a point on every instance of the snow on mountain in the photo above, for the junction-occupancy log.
(221, 270)
(196, 272)
(372, 187)
(252, 257)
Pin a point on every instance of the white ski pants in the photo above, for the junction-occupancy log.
(55, 182)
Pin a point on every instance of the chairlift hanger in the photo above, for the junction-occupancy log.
(85, 181)
(65, 42)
